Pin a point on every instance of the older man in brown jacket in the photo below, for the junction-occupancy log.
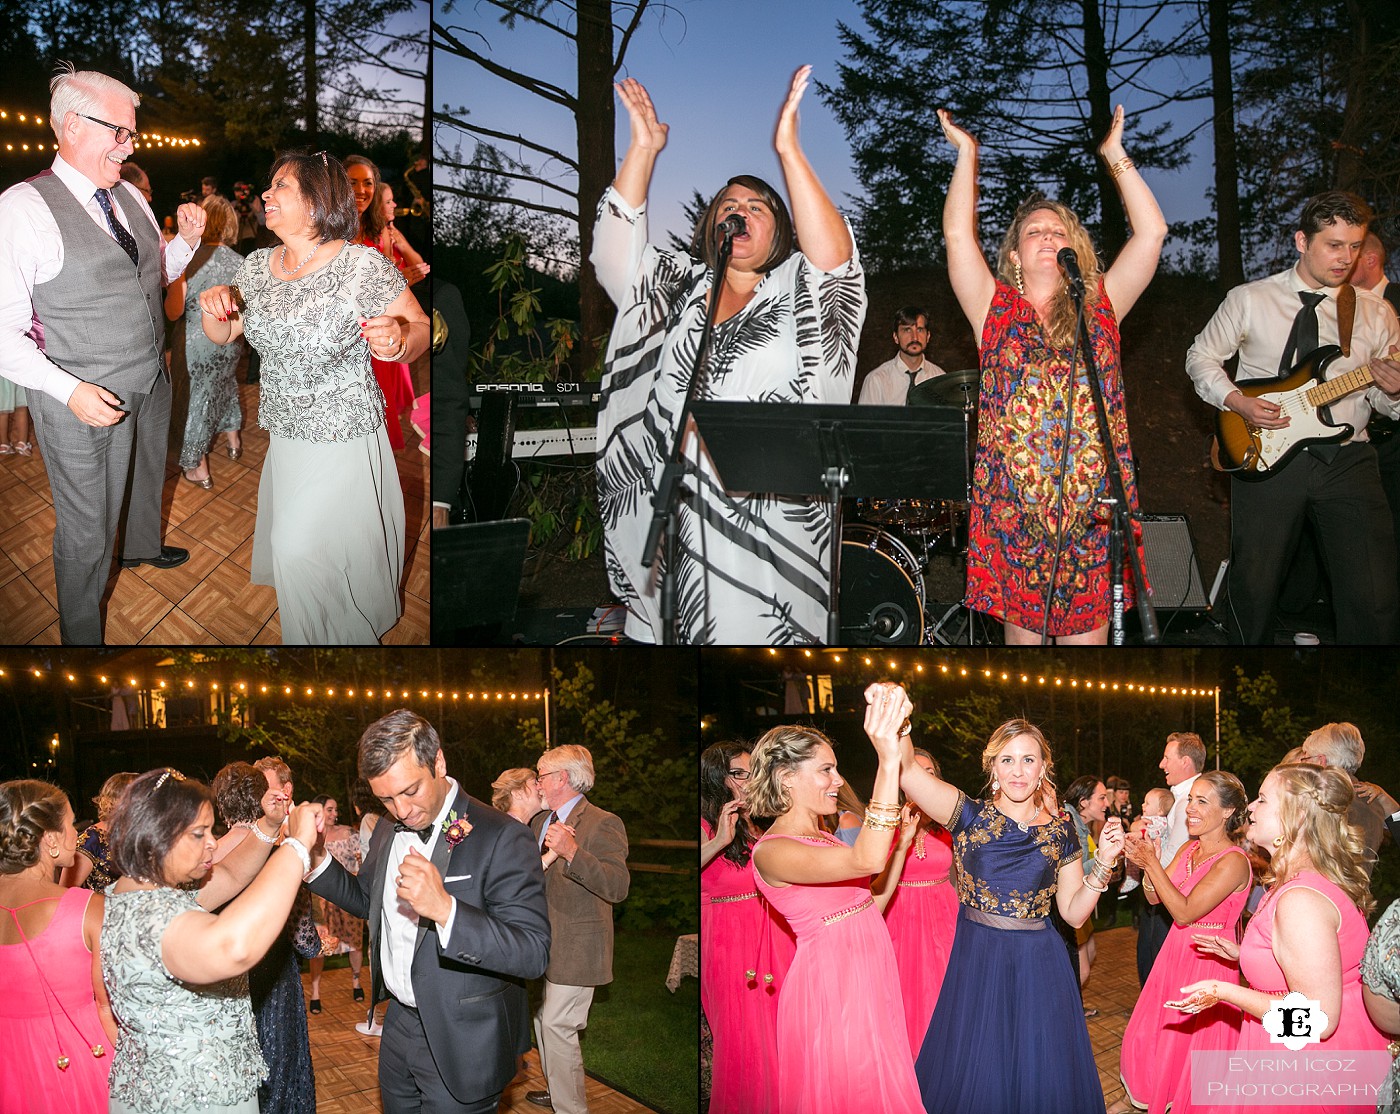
(586, 876)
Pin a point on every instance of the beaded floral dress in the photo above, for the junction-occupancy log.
(745, 951)
(1008, 1031)
(179, 1047)
(93, 844)
(841, 1039)
(1380, 970)
(1158, 1041)
(340, 932)
(1024, 413)
(922, 916)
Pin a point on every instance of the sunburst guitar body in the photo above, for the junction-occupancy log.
(1304, 396)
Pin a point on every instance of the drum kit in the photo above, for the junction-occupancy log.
(888, 553)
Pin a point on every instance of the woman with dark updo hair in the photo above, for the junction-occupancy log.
(56, 1029)
(330, 529)
(1204, 888)
(750, 568)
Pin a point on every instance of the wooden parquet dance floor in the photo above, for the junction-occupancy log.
(208, 600)
(347, 1064)
(1113, 990)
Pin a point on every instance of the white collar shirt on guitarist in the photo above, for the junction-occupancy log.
(1255, 320)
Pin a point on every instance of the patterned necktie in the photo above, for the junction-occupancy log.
(124, 237)
(1303, 338)
(550, 819)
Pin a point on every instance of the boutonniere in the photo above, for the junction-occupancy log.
(456, 830)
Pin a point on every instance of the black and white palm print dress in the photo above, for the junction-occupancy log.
(751, 569)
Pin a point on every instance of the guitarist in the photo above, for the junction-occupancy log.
(1273, 325)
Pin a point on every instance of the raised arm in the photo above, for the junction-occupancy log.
(926, 789)
(821, 233)
(648, 139)
(1228, 874)
(1130, 273)
(786, 861)
(1073, 896)
(201, 947)
(972, 280)
(240, 866)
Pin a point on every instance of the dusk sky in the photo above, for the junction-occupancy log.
(717, 71)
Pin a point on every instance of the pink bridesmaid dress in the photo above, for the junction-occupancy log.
(922, 917)
(1158, 1040)
(49, 1009)
(841, 1041)
(741, 933)
(1354, 1031)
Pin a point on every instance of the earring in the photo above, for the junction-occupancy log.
(53, 852)
(1020, 278)
(996, 786)
(1278, 841)
(1040, 784)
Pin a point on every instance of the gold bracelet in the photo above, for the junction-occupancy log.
(1148, 886)
(1118, 169)
(880, 823)
(1101, 888)
(883, 806)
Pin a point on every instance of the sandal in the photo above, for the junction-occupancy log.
(24, 448)
(6, 449)
(315, 1006)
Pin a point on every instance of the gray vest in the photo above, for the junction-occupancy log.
(102, 317)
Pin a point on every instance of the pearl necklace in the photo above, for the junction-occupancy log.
(282, 261)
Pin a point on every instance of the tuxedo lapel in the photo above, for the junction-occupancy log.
(379, 842)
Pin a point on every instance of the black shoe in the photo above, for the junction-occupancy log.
(315, 1006)
(170, 556)
(539, 1098)
(358, 993)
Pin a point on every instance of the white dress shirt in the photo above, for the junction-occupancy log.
(1255, 321)
(398, 929)
(561, 813)
(31, 252)
(1176, 835)
(888, 384)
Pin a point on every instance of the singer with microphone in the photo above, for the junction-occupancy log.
(749, 568)
(1038, 553)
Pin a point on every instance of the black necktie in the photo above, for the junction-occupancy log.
(912, 376)
(124, 237)
(424, 834)
(1303, 338)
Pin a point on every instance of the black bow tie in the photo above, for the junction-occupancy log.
(424, 834)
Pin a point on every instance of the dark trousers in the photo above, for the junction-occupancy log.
(1348, 509)
(1153, 926)
(409, 1080)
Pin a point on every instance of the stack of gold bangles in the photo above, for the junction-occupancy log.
(881, 817)
(1099, 873)
(1123, 165)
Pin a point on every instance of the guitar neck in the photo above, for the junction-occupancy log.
(1323, 394)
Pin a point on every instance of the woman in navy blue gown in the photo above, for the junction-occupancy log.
(1007, 1033)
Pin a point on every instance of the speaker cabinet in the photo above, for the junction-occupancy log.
(1172, 569)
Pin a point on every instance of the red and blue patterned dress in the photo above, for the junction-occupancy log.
(1024, 401)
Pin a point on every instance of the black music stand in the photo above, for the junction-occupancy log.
(476, 579)
(825, 451)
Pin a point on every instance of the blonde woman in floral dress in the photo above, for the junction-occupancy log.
(341, 934)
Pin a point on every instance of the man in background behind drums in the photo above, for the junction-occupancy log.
(890, 383)
(1338, 485)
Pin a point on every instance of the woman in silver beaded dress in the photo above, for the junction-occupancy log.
(176, 973)
(330, 529)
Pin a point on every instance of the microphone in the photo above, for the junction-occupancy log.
(1070, 263)
(733, 225)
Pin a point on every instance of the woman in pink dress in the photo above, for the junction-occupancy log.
(745, 946)
(56, 1027)
(922, 914)
(1204, 889)
(841, 1041)
(1308, 935)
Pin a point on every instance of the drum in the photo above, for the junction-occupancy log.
(882, 589)
(913, 516)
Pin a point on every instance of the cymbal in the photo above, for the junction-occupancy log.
(952, 388)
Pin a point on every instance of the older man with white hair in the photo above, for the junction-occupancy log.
(1341, 745)
(581, 886)
(81, 254)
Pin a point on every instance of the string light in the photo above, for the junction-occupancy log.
(143, 139)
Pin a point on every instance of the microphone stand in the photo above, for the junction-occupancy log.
(1120, 531)
(665, 504)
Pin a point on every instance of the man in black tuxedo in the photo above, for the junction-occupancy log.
(454, 897)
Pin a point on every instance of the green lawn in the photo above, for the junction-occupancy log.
(641, 1038)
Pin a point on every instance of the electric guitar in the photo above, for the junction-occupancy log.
(1252, 453)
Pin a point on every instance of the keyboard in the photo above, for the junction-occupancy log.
(531, 443)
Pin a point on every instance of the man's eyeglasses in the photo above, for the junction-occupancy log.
(550, 773)
(739, 775)
(123, 134)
